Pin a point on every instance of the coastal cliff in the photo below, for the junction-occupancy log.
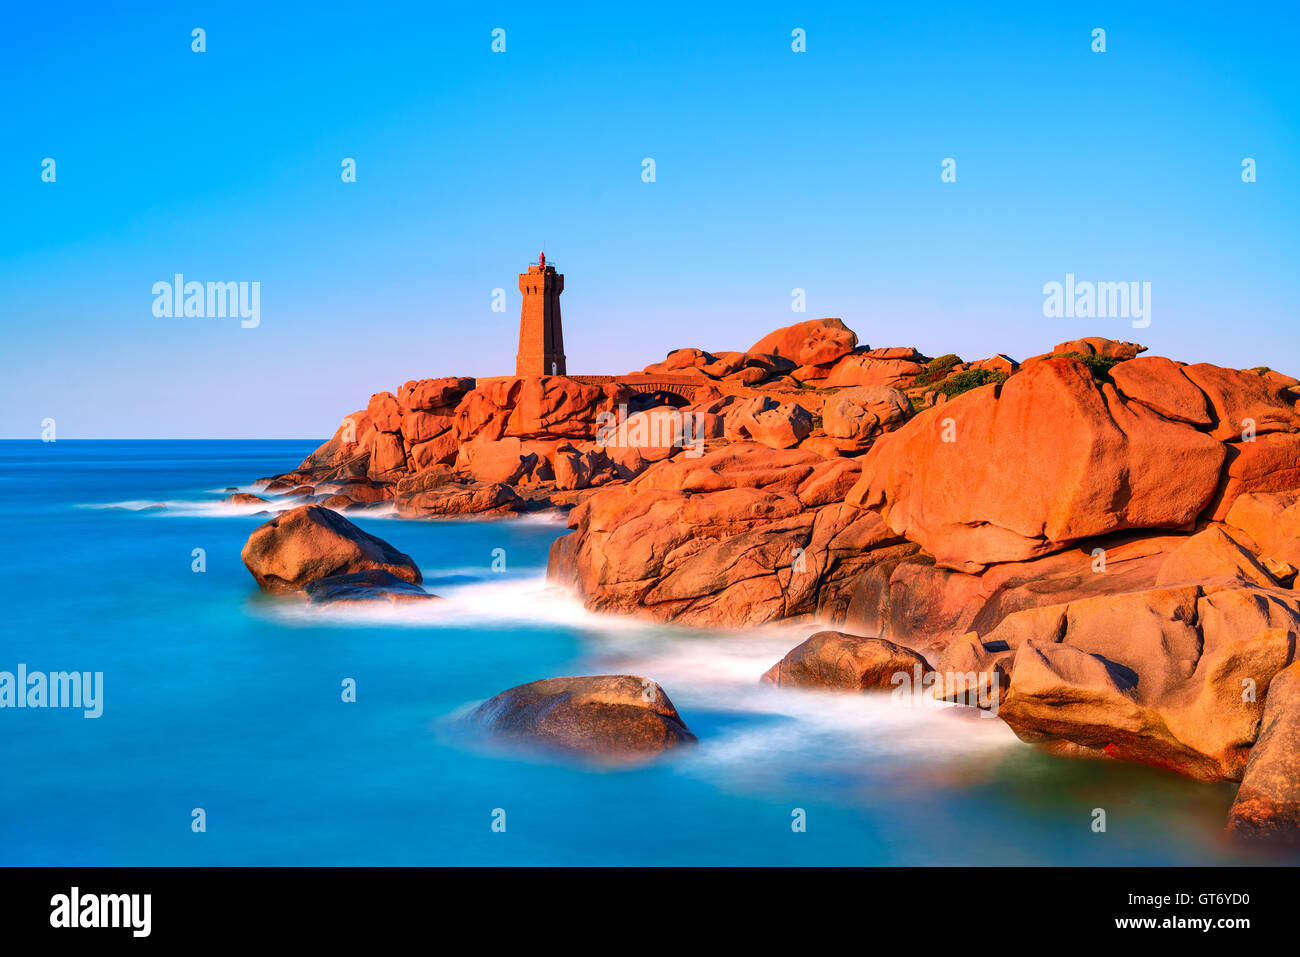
(1111, 537)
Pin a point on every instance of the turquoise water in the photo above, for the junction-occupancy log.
(216, 697)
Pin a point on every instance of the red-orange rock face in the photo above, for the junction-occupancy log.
(1269, 463)
(812, 343)
(439, 396)
(1271, 520)
(871, 370)
(420, 427)
(536, 407)
(1004, 473)
(739, 535)
(385, 413)
(387, 460)
(1245, 403)
(1098, 346)
(1162, 386)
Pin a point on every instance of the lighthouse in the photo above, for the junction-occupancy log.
(541, 337)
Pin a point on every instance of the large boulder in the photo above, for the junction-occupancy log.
(581, 467)
(1245, 403)
(1213, 556)
(1265, 463)
(657, 433)
(1272, 520)
(308, 543)
(505, 461)
(438, 396)
(681, 360)
(815, 342)
(1100, 346)
(439, 492)
(778, 425)
(385, 412)
(387, 454)
(855, 418)
(1051, 456)
(1157, 676)
(834, 660)
(1160, 385)
(604, 717)
(440, 450)
(417, 427)
(1267, 806)
(870, 369)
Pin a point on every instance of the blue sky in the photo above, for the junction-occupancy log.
(775, 170)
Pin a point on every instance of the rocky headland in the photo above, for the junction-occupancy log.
(1108, 539)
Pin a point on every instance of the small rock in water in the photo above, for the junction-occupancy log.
(243, 498)
(832, 659)
(617, 718)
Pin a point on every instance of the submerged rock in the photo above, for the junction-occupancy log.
(366, 586)
(308, 543)
(459, 498)
(606, 717)
(243, 498)
(832, 659)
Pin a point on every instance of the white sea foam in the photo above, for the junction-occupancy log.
(206, 508)
(203, 508)
(717, 673)
(505, 600)
(720, 672)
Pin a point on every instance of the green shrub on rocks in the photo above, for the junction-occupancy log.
(969, 379)
(1099, 366)
(937, 369)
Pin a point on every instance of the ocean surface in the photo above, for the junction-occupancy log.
(218, 698)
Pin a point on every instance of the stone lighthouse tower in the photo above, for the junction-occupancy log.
(541, 337)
